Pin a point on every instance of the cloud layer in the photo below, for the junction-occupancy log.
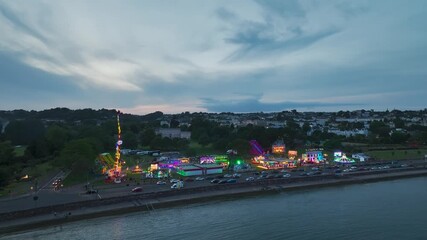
(213, 56)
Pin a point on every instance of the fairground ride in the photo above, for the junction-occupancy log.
(117, 170)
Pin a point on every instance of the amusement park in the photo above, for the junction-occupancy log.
(156, 165)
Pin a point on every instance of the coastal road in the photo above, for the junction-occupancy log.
(46, 196)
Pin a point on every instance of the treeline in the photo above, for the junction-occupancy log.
(72, 139)
(75, 142)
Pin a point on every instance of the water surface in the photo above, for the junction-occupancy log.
(383, 210)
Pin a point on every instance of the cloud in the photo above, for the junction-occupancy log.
(255, 105)
(142, 54)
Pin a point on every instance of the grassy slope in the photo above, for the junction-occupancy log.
(398, 154)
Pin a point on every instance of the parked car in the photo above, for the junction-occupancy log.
(177, 185)
(228, 175)
(161, 183)
(222, 181)
(216, 180)
(137, 189)
(199, 179)
(91, 191)
(287, 175)
(174, 180)
(250, 179)
(237, 175)
(231, 180)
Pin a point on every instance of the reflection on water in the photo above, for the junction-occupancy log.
(384, 210)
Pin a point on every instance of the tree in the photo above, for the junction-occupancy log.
(379, 128)
(147, 136)
(37, 149)
(6, 153)
(56, 137)
(399, 123)
(174, 123)
(241, 145)
(78, 155)
(130, 140)
(5, 177)
(24, 132)
(398, 137)
(306, 127)
(332, 144)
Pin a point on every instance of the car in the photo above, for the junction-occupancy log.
(261, 177)
(222, 181)
(209, 178)
(137, 189)
(287, 175)
(228, 175)
(284, 171)
(161, 183)
(91, 191)
(237, 175)
(250, 179)
(174, 180)
(256, 173)
(315, 169)
(231, 180)
(303, 174)
(177, 185)
(199, 179)
(216, 180)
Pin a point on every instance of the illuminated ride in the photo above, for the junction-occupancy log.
(278, 148)
(115, 173)
(265, 161)
(340, 157)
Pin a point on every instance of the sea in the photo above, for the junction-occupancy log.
(382, 210)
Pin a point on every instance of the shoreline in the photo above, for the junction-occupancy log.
(143, 202)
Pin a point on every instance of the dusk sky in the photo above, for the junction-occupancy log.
(215, 56)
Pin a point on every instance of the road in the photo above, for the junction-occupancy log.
(48, 196)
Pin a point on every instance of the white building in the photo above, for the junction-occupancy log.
(173, 133)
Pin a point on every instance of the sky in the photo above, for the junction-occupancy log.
(213, 56)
